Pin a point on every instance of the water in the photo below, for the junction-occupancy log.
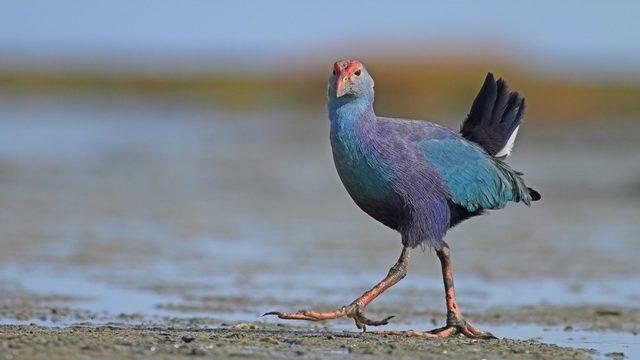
(166, 209)
(604, 342)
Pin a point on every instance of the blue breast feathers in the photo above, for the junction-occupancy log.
(475, 179)
(359, 169)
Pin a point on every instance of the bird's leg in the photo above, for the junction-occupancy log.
(355, 310)
(455, 322)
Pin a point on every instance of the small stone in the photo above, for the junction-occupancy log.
(245, 326)
(615, 355)
(198, 352)
(568, 328)
(608, 312)
(188, 339)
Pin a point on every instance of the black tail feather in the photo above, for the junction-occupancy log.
(501, 102)
(535, 196)
(494, 116)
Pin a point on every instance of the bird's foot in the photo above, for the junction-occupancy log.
(353, 311)
(356, 312)
(460, 327)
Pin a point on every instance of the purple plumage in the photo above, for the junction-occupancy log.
(417, 177)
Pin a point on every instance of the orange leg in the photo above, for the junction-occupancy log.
(355, 310)
(455, 322)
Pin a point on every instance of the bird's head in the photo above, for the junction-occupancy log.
(349, 78)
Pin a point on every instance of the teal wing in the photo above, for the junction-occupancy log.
(476, 180)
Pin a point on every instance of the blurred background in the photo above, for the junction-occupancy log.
(171, 158)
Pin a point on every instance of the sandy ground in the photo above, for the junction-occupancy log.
(254, 341)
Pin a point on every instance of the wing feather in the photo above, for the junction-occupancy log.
(476, 180)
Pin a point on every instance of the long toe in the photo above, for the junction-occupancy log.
(467, 330)
(422, 334)
(362, 321)
(445, 332)
(473, 332)
(309, 315)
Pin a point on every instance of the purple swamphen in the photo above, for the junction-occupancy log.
(420, 178)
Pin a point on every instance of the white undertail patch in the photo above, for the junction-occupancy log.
(506, 150)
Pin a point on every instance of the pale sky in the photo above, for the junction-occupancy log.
(588, 34)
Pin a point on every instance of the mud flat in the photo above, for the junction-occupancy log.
(253, 340)
(36, 328)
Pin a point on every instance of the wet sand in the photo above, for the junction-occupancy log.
(137, 224)
(254, 341)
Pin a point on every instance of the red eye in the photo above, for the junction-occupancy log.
(358, 72)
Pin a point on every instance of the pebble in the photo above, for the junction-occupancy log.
(245, 326)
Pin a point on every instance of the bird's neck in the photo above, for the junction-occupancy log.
(346, 111)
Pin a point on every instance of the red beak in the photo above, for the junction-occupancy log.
(340, 85)
(349, 69)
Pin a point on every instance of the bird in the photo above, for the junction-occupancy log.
(421, 179)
